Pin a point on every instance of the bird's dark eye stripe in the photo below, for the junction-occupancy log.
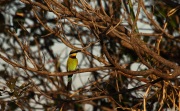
(74, 51)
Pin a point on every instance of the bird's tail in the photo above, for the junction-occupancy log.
(69, 85)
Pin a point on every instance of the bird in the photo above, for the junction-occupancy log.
(19, 19)
(72, 63)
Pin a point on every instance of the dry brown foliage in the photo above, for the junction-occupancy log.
(109, 36)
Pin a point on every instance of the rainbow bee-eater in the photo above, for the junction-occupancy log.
(72, 64)
(19, 19)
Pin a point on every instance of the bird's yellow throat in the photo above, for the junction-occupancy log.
(73, 55)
